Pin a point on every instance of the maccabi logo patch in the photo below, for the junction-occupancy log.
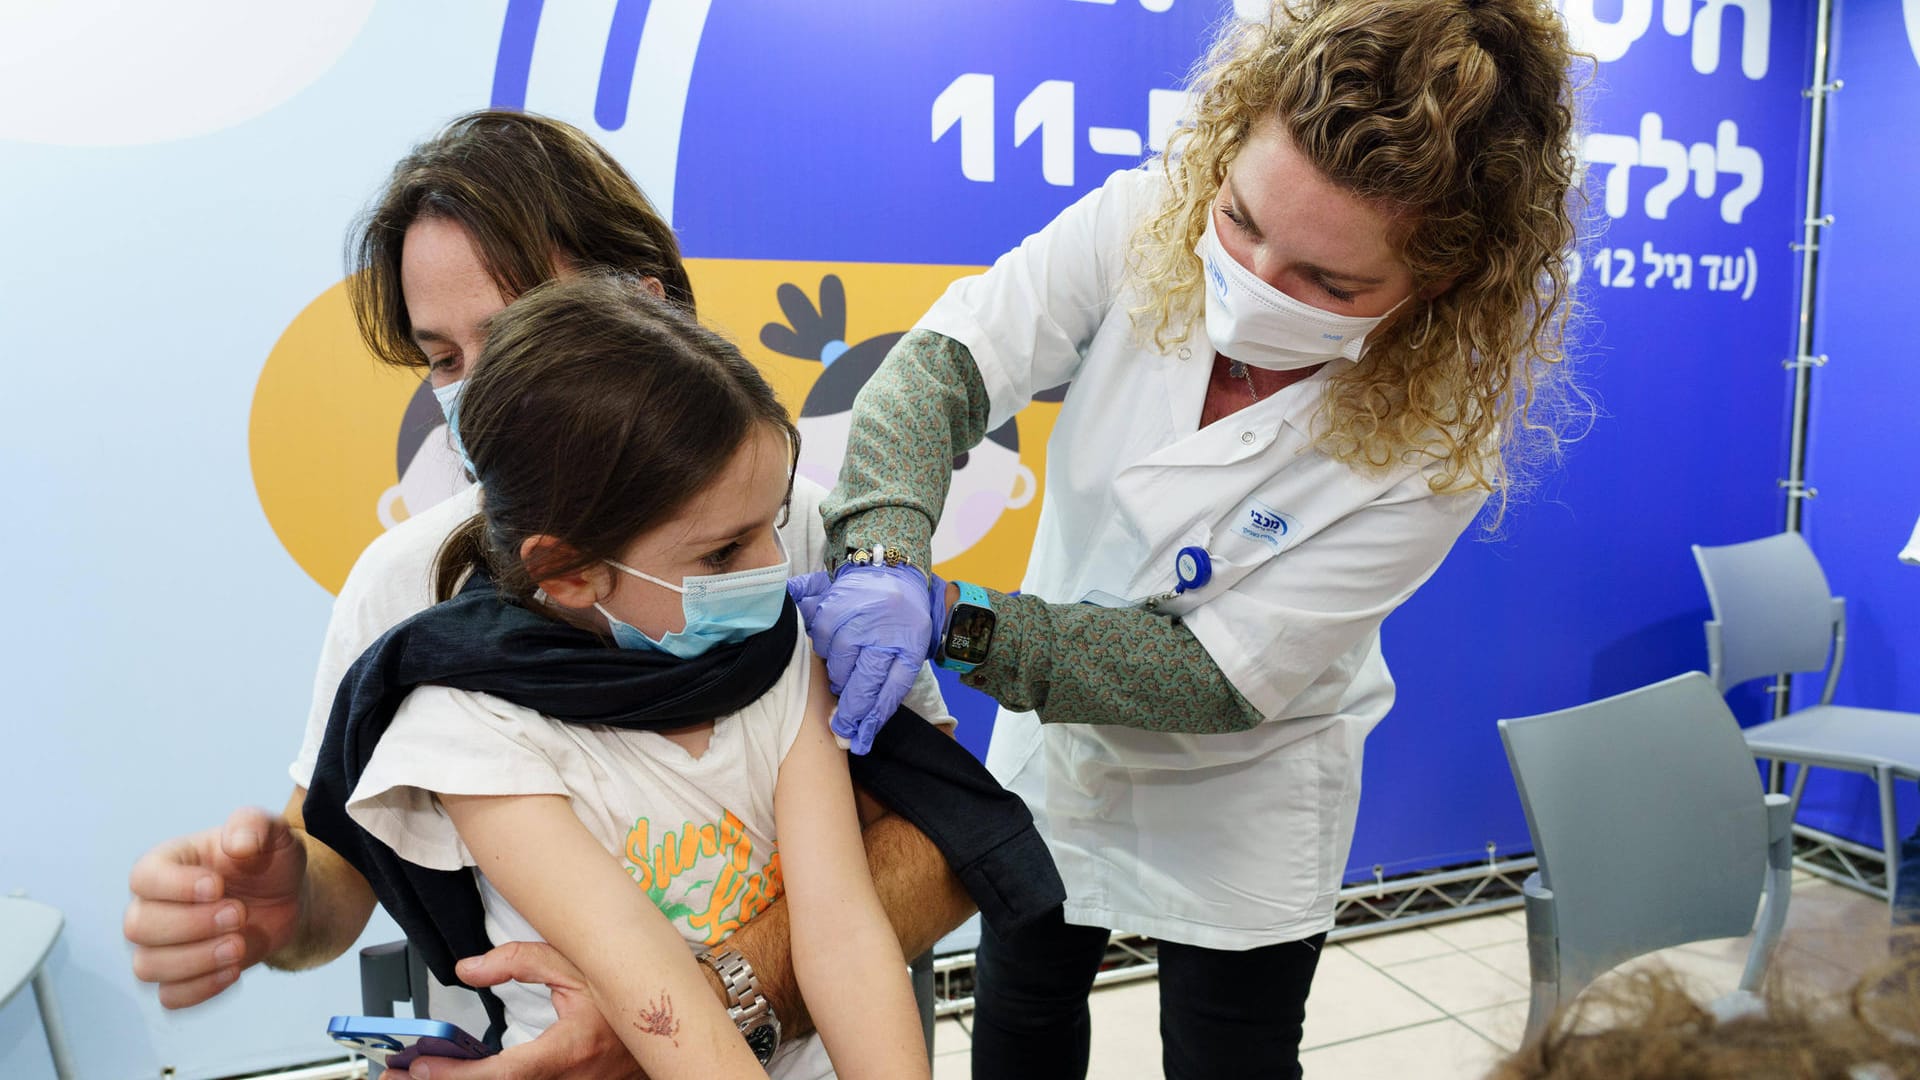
(1258, 521)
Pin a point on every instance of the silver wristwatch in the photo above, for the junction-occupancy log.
(749, 1009)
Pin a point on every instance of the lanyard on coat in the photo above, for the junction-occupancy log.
(1192, 569)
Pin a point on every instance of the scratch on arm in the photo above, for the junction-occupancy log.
(658, 1019)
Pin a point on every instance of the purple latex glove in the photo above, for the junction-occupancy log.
(874, 626)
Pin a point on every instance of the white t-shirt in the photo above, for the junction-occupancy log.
(696, 833)
(393, 580)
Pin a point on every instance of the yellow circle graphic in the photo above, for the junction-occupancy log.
(322, 438)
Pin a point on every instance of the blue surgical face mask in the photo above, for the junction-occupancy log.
(720, 608)
(449, 398)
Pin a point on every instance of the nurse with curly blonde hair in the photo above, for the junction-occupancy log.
(1305, 347)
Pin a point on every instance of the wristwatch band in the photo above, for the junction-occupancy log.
(972, 594)
(747, 1007)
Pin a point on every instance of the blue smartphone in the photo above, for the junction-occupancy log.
(395, 1041)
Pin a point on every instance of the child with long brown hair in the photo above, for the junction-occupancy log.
(634, 469)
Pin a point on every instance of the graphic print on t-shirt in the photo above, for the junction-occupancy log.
(704, 878)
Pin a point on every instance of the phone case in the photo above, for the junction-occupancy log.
(395, 1041)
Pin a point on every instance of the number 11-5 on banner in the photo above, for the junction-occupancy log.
(1048, 110)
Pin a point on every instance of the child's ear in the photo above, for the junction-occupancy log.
(580, 589)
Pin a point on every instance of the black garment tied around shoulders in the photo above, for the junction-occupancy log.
(478, 641)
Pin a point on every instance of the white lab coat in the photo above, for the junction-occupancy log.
(1224, 841)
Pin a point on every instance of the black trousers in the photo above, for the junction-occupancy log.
(1222, 1013)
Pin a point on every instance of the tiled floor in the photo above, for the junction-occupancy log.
(1447, 1002)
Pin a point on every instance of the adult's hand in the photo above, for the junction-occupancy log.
(874, 626)
(578, 1044)
(209, 905)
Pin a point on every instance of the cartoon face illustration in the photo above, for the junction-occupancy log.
(987, 480)
(823, 444)
(429, 467)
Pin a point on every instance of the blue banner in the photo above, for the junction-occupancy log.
(1861, 449)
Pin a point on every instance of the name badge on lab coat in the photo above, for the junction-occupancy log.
(1266, 527)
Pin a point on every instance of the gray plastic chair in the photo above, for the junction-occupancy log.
(1651, 830)
(27, 932)
(1773, 612)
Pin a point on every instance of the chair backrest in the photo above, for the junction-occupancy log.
(1773, 606)
(1648, 820)
(28, 930)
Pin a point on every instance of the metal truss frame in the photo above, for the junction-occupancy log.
(1841, 861)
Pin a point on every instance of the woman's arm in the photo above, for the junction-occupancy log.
(978, 357)
(1118, 667)
(844, 951)
(639, 971)
(925, 405)
(987, 346)
(1277, 630)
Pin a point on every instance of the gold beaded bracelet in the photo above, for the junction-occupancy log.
(880, 554)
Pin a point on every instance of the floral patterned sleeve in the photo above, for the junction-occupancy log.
(1070, 663)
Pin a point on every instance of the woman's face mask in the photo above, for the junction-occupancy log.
(719, 608)
(1258, 325)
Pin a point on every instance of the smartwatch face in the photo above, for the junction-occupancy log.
(969, 633)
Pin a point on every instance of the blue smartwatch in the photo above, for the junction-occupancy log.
(969, 632)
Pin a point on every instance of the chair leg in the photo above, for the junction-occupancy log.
(384, 978)
(922, 969)
(1800, 772)
(1889, 831)
(417, 978)
(1543, 957)
(1543, 1003)
(56, 1031)
(1778, 894)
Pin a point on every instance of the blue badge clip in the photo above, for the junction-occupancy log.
(1191, 569)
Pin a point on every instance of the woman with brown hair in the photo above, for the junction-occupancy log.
(1305, 347)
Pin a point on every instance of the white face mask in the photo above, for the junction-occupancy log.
(1258, 325)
